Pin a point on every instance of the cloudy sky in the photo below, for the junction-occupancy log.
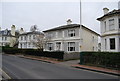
(48, 15)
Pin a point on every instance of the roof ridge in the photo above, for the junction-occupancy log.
(115, 11)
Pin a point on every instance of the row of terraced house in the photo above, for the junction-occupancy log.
(70, 37)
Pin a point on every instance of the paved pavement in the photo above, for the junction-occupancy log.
(74, 63)
(69, 63)
(21, 68)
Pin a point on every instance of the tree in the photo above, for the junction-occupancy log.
(40, 42)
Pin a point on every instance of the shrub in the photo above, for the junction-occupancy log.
(104, 59)
(35, 52)
(10, 50)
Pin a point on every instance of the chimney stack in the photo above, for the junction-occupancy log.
(21, 30)
(13, 30)
(69, 21)
(105, 10)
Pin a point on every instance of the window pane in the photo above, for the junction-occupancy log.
(105, 25)
(71, 46)
(105, 44)
(112, 43)
(111, 24)
(71, 33)
(50, 46)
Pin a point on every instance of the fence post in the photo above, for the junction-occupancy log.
(81, 58)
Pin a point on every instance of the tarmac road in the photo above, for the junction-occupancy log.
(21, 68)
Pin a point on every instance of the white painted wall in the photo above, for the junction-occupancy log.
(108, 43)
(87, 35)
(107, 34)
(25, 43)
(88, 42)
(9, 40)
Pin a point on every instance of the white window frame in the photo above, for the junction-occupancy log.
(50, 46)
(105, 44)
(71, 46)
(25, 38)
(20, 45)
(93, 48)
(71, 33)
(29, 37)
(21, 37)
(34, 37)
(93, 38)
(59, 33)
(105, 26)
(5, 38)
(111, 24)
(2, 38)
(29, 44)
(58, 45)
(112, 44)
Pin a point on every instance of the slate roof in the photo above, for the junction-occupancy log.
(114, 12)
(7, 33)
(69, 26)
(32, 32)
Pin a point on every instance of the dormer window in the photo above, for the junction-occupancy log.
(111, 24)
(71, 33)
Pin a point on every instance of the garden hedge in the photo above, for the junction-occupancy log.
(35, 52)
(102, 59)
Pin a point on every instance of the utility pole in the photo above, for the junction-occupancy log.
(80, 25)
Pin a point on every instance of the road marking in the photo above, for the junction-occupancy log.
(5, 75)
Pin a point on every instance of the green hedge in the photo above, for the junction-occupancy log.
(103, 59)
(35, 52)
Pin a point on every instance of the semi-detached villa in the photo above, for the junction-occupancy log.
(71, 38)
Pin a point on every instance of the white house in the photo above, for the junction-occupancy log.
(71, 38)
(7, 37)
(110, 30)
(26, 39)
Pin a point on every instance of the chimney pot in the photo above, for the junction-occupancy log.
(13, 30)
(69, 21)
(105, 10)
(21, 30)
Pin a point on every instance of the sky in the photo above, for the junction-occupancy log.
(51, 14)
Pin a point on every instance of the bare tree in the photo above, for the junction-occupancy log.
(40, 42)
